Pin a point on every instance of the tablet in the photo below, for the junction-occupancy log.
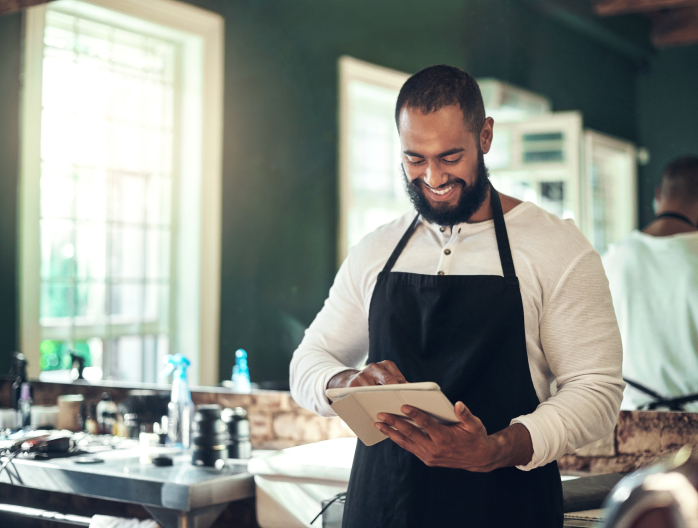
(359, 406)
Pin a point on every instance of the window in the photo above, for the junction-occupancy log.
(116, 178)
(371, 183)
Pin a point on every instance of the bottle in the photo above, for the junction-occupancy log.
(180, 408)
(106, 414)
(24, 407)
(80, 419)
(241, 373)
(90, 422)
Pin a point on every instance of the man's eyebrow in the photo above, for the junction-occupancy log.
(442, 155)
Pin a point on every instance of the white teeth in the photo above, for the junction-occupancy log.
(442, 191)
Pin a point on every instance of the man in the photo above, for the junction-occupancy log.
(653, 275)
(491, 298)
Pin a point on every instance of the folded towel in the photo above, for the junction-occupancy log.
(106, 521)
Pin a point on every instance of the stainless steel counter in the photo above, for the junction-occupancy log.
(181, 496)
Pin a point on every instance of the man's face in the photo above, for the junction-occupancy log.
(443, 164)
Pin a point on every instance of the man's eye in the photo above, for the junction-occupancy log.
(414, 161)
(452, 161)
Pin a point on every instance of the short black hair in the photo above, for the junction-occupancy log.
(434, 87)
(680, 179)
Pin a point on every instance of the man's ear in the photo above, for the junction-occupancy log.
(658, 193)
(486, 134)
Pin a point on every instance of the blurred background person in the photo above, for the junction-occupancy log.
(653, 276)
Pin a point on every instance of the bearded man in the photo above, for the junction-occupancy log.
(502, 304)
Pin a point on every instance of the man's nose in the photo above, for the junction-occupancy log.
(433, 175)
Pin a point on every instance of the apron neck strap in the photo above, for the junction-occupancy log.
(401, 245)
(500, 230)
(677, 216)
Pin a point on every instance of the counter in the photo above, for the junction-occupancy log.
(178, 496)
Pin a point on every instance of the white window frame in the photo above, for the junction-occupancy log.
(351, 69)
(196, 319)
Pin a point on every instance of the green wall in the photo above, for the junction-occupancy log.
(280, 127)
(668, 116)
(10, 35)
(279, 192)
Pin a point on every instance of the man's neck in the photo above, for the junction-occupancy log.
(668, 226)
(485, 213)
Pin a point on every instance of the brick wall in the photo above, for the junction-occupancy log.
(639, 439)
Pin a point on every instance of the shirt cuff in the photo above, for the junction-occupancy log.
(323, 404)
(540, 446)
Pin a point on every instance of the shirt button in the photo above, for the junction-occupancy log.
(440, 273)
(442, 229)
(447, 251)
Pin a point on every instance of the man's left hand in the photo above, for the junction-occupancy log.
(465, 445)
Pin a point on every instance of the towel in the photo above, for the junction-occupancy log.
(106, 521)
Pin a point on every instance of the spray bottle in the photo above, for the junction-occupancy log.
(241, 373)
(180, 408)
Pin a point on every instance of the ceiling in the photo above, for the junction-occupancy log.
(674, 22)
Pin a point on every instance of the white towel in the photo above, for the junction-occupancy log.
(106, 521)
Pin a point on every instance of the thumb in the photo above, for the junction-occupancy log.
(465, 416)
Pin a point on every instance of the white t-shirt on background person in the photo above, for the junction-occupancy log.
(654, 284)
(572, 337)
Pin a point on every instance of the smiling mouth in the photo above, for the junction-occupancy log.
(441, 192)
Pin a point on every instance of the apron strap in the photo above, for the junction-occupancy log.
(500, 230)
(401, 245)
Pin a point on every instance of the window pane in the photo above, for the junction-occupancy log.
(126, 358)
(90, 303)
(54, 355)
(156, 303)
(91, 251)
(128, 198)
(158, 254)
(127, 253)
(57, 249)
(91, 194)
(126, 303)
(57, 191)
(56, 300)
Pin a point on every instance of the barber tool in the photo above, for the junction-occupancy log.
(209, 436)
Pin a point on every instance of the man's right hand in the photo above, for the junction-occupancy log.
(381, 373)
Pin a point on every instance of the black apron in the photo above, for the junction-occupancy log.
(465, 333)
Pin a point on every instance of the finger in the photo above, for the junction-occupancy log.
(361, 379)
(400, 439)
(468, 419)
(381, 375)
(392, 368)
(423, 420)
(406, 428)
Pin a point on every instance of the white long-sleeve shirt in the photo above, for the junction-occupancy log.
(654, 283)
(572, 338)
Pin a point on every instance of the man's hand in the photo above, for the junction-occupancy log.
(464, 445)
(382, 373)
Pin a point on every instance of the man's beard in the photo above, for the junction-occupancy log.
(471, 198)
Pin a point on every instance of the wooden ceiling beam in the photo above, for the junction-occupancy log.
(621, 7)
(7, 6)
(675, 27)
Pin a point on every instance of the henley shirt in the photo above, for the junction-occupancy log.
(572, 337)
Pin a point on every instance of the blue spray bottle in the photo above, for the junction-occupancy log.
(180, 408)
(241, 373)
